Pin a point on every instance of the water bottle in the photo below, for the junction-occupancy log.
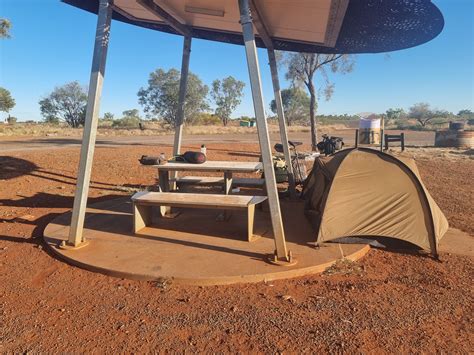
(162, 157)
(203, 149)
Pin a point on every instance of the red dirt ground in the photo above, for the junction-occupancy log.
(384, 303)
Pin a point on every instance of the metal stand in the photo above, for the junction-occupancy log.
(262, 128)
(282, 122)
(179, 123)
(90, 128)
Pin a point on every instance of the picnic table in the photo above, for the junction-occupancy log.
(226, 167)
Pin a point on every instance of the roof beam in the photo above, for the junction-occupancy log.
(260, 25)
(157, 10)
(337, 13)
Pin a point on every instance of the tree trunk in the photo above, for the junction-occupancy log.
(312, 119)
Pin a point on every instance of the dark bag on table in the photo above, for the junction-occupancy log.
(149, 160)
(192, 157)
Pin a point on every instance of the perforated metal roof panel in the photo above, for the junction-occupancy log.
(323, 26)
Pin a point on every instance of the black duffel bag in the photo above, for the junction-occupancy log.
(192, 157)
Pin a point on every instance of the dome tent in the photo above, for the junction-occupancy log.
(364, 192)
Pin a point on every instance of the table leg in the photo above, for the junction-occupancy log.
(225, 215)
(228, 182)
(164, 181)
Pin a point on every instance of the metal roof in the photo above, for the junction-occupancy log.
(321, 26)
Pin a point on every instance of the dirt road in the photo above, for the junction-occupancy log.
(12, 144)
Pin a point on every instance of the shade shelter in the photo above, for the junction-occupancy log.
(323, 26)
(364, 192)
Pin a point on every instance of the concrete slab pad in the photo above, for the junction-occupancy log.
(194, 248)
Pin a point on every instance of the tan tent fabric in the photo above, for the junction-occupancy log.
(363, 192)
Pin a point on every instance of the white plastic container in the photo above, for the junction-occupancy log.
(369, 129)
(369, 123)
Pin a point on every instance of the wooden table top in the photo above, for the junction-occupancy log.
(210, 165)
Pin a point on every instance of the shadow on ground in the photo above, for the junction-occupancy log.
(11, 167)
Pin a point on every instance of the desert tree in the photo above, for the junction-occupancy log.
(301, 70)
(466, 114)
(424, 114)
(108, 116)
(227, 94)
(160, 98)
(395, 113)
(295, 105)
(130, 119)
(421, 112)
(7, 102)
(131, 113)
(5, 26)
(65, 103)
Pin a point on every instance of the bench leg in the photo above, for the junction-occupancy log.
(250, 216)
(141, 217)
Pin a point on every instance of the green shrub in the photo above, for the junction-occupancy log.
(105, 123)
(11, 120)
(126, 122)
(205, 119)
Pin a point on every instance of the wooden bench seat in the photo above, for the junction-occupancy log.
(219, 181)
(144, 201)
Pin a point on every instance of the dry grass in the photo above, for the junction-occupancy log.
(152, 129)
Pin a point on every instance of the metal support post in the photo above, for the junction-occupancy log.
(90, 128)
(382, 135)
(179, 123)
(262, 128)
(282, 122)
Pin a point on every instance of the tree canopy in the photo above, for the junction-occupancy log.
(466, 114)
(424, 114)
(395, 113)
(130, 119)
(131, 113)
(160, 98)
(109, 116)
(295, 105)
(7, 102)
(227, 94)
(5, 26)
(66, 103)
(301, 69)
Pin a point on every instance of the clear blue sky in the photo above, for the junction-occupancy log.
(52, 44)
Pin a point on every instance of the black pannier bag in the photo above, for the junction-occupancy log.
(150, 160)
(192, 157)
